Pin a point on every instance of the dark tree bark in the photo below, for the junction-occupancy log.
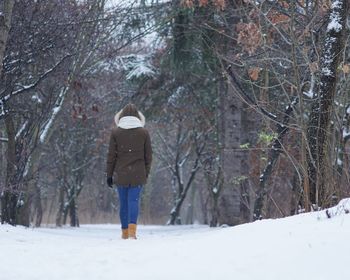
(38, 206)
(9, 197)
(73, 214)
(5, 25)
(229, 202)
(319, 124)
(276, 150)
(214, 221)
(59, 215)
(215, 184)
(29, 193)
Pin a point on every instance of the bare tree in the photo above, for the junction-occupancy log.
(76, 53)
(177, 156)
(319, 126)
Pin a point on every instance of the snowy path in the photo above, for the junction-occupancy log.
(301, 247)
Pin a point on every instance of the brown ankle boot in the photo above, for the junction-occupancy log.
(125, 233)
(132, 231)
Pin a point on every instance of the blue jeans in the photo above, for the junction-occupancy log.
(129, 197)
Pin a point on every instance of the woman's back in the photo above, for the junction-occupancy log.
(130, 151)
(132, 154)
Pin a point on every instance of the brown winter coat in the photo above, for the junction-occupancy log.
(129, 155)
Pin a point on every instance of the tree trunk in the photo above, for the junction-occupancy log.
(204, 199)
(28, 196)
(65, 214)
(24, 211)
(73, 215)
(38, 206)
(5, 25)
(9, 197)
(214, 210)
(28, 188)
(319, 165)
(190, 211)
(59, 215)
(175, 218)
(3, 146)
(231, 158)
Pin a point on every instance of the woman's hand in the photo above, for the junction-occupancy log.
(110, 182)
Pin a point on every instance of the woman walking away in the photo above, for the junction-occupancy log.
(129, 159)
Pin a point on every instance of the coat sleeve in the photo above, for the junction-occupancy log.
(148, 153)
(112, 155)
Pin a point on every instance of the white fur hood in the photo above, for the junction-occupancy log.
(129, 122)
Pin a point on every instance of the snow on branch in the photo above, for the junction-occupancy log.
(27, 88)
(56, 109)
(246, 97)
(346, 134)
(33, 85)
(311, 92)
(335, 18)
(334, 27)
(342, 208)
(3, 111)
(2, 139)
(20, 131)
(139, 66)
(346, 129)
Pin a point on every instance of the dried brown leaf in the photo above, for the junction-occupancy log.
(346, 68)
(254, 73)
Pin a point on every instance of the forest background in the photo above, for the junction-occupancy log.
(247, 104)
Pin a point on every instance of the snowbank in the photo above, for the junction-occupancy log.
(308, 246)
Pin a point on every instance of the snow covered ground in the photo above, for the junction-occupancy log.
(308, 246)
